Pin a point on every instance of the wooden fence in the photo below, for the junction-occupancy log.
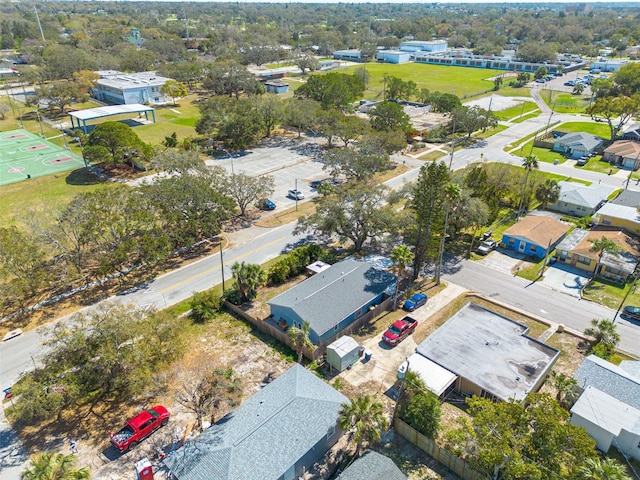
(281, 335)
(442, 455)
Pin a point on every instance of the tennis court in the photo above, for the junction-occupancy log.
(24, 155)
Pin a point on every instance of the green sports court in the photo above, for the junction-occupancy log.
(24, 155)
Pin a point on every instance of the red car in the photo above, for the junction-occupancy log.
(140, 427)
(399, 330)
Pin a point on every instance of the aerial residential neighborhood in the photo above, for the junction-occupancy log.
(340, 241)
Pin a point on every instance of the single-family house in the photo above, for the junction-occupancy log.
(624, 153)
(615, 215)
(575, 250)
(393, 56)
(333, 299)
(628, 198)
(119, 88)
(534, 235)
(491, 355)
(609, 404)
(577, 144)
(352, 55)
(580, 200)
(631, 132)
(276, 434)
(372, 466)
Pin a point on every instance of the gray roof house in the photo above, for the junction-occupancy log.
(631, 132)
(276, 434)
(372, 466)
(580, 200)
(492, 355)
(628, 198)
(620, 216)
(609, 406)
(333, 299)
(577, 144)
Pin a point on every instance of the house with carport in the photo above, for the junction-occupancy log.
(487, 355)
(609, 404)
(333, 299)
(580, 200)
(623, 153)
(575, 250)
(276, 434)
(577, 144)
(534, 235)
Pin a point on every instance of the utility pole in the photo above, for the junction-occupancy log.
(400, 392)
(632, 288)
(296, 195)
(39, 25)
(222, 265)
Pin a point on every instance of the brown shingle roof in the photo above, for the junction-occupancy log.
(540, 230)
(624, 148)
(626, 242)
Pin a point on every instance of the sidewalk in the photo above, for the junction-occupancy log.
(13, 456)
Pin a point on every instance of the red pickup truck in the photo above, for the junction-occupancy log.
(140, 427)
(399, 330)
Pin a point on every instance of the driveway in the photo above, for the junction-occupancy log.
(565, 278)
(383, 365)
(502, 260)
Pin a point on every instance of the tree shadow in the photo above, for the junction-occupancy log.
(82, 176)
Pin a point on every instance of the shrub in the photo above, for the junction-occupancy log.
(233, 296)
(205, 305)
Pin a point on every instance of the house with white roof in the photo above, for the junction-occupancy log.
(609, 406)
(119, 88)
(619, 216)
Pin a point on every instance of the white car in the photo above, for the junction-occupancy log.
(295, 194)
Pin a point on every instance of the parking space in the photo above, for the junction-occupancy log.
(565, 278)
(292, 163)
(502, 260)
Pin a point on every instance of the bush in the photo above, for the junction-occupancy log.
(295, 262)
(601, 350)
(205, 305)
(233, 296)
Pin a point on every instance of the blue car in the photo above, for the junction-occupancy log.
(267, 204)
(415, 301)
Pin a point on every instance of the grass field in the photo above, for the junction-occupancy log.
(563, 102)
(513, 112)
(460, 81)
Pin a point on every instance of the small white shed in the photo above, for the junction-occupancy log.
(343, 353)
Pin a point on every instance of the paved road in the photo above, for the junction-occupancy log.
(538, 299)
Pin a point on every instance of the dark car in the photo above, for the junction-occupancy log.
(486, 246)
(415, 301)
(632, 312)
(267, 204)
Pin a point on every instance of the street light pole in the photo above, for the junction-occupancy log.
(296, 195)
(222, 265)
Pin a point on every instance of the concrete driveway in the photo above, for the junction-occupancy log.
(565, 278)
(502, 260)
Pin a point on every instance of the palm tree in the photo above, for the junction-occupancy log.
(548, 192)
(605, 334)
(565, 386)
(602, 469)
(600, 246)
(54, 466)
(578, 88)
(401, 256)
(300, 339)
(364, 419)
(248, 277)
(452, 194)
(530, 163)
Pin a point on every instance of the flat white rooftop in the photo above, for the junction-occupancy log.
(99, 112)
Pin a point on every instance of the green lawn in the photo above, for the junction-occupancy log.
(180, 118)
(460, 81)
(526, 117)
(563, 102)
(45, 194)
(610, 294)
(491, 131)
(513, 112)
(595, 128)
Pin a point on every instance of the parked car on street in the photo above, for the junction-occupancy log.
(415, 301)
(140, 427)
(485, 247)
(632, 312)
(295, 194)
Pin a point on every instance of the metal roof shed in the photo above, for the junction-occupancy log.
(343, 353)
(435, 378)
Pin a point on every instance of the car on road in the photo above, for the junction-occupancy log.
(415, 301)
(631, 312)
(266, 204)
(541, 80)
(486, 246)
(295, 194)
(140, 427)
